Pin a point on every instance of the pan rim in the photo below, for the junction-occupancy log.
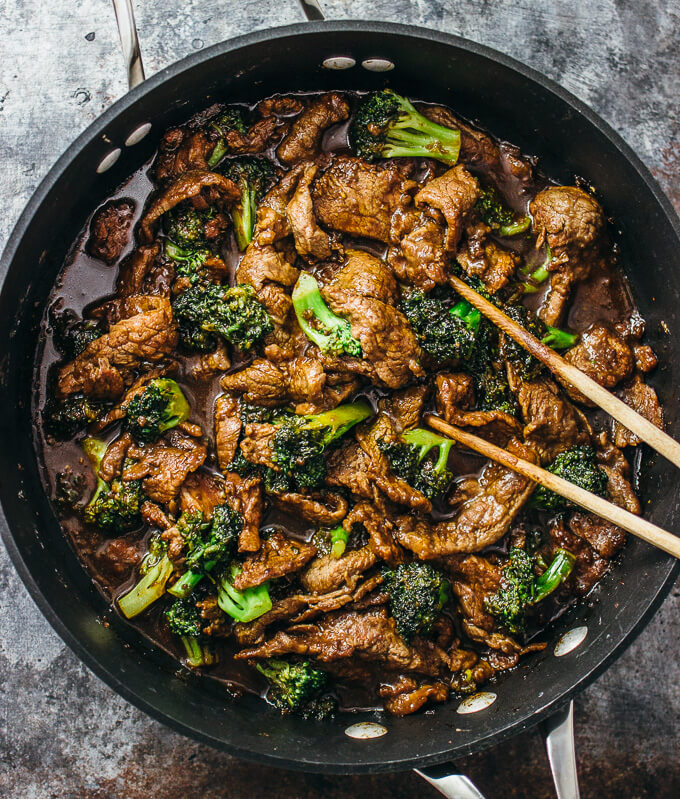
(95, 130)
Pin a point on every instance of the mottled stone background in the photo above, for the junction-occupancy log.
(62, 732)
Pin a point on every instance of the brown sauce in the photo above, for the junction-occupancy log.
(605, 296)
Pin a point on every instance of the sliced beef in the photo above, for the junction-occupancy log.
(202, 493)
(552, 423)
(324, 508)
(107, 364)
(645, 358)
(327, 573)
(181, 150)
(453, 194)
(278, 555)
(261, 383)
(245, 496)
(603, 356)
(589, 567)
(603, 536)
(311, 241)
(212, 363)
(110, 230)
(111, 464)
(364, 292)
(370, 636)
(572, 223)
(354, 197)
(613, 462)
(407, 702)
(163, 467)
(417, 255)
(642, 399)
(487, 261)
(486, 508)
(454, 398)
(189, 185)
(377, 521)
(304, 137)
(272, 275)
(227, 429)
(144, 271)
(272, 218)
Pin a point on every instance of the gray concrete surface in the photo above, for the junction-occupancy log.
(62, 732)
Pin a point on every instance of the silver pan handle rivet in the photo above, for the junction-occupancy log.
(338, 62)
(108, 160)
(569, 641)
(377, 65)
(364, 730)
(476, 702)
(138, 134)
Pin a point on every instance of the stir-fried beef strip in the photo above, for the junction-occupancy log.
(248, 407)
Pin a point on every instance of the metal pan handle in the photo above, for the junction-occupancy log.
(559, 743)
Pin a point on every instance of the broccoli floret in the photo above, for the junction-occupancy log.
(160, 407)
(387, 125)
(444, 329)
(300, 442)
(63, 419)
(69, 489)
(525, 364)
(155, 571)
(185, 226)
(113, 508)
(578, 465)
(184, 620)
(71, 335)
(330, 333)
(245, 605)
(497, 216)
(188, 260)
(297, 688)
(254, 176)
(207, 546)
(232, 313)
(230, 119)
(410, 459)
(418, 593)
(520, 588)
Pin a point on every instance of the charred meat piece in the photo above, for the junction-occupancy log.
(110, 230)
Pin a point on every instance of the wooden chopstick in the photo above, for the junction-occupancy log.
(636, 525)
(615, 407)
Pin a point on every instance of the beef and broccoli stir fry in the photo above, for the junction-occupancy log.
(233, 421)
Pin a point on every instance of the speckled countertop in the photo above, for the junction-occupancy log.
(63, 733)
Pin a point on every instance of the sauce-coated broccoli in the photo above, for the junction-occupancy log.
(244, 605)
(412, 461)
(63, 419)
(331, 334)
(155, 570)
(185, 226)
(520, 587)
(113, 508)
(418, 593)
(208, 545)
(387, 125)
(184, 620)
(300, 443)
(71, 335)
(445, 329)
(229, 119)
(525, 364)
(160, 407)
(232, 313)
(189, 261)
(579, 466)
(297, 688)
(498, 216)
(254, 176)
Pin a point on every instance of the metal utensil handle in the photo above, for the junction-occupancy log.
(129, 40)
(559, 743)
(453, 786)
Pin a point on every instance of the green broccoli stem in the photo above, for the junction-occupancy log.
(516, 227)
(218, 153)
(339, 538)
(245, 605)
(244, 215)
(426, 440)
(554, 575)
(441, 143)
(189, 580)
(341, 419)
(539, 275)
(197, 655)
(335, 333)
(150, 588)
(559, 339)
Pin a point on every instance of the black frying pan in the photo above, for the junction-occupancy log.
(515, 103)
